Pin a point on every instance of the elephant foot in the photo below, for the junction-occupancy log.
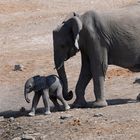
(67, 107)
(79, 104)
(100, 103)
(31, 114)
(47, 113)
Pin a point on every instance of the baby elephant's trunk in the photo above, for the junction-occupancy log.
(26, 96)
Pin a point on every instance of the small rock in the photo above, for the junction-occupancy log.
(27, 137)
(19, 127)
(17, 138)
(98, 115)
(11, 119)
(45, 137)
(18, 67)
(65, 117)
(61, 122)
(1, 118)
(106, 119)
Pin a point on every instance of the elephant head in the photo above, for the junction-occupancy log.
(65, 41)
(36, 84)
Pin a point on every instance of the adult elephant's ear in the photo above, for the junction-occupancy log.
(76, 28)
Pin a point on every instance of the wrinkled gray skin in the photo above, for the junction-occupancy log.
(47, 87)
(103, 39)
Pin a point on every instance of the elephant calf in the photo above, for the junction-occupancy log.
(47, 87)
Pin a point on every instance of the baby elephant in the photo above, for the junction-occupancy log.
(47, 87)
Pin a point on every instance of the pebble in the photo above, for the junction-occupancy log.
(17, 138)
(1, 118)
(98, 115)
(11, 119)
(45, 137)
(24, 137)
(27, 137)
(18, 67)
(65, 117)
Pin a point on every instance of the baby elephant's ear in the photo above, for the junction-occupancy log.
(40, 83)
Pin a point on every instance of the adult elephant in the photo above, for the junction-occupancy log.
(103, 39)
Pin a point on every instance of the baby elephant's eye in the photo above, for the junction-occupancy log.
(30, 86)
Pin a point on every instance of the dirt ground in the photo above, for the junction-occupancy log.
(26, 39)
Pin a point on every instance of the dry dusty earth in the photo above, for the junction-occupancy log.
(26, 39)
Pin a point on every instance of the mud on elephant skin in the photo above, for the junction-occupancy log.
(102, 38)
(47, 87)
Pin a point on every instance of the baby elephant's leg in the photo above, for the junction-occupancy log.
(60, 97)
(45, 96)
(55, 102)
(34, 103)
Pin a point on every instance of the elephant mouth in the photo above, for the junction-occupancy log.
(73, 50)
(62, 63)
(69, 54)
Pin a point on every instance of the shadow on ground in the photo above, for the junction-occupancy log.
(113, 102)
(120, 101)
(40, 111)
(16, 114)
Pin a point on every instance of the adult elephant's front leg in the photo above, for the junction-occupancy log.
(84, 78)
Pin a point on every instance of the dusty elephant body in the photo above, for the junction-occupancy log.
(103, 39)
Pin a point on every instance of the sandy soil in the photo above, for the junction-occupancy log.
(26, 39)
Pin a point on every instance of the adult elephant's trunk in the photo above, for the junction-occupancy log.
(62, 75)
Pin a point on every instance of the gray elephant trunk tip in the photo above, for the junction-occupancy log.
(69, 96)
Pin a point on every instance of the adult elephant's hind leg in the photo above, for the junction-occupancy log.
(84, 78)
(98, 74)
(98, 65)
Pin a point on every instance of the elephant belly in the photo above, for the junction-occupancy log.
(130, 60)
(124, 39)
(135, 68)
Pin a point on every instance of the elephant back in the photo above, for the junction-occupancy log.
(50, 80)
